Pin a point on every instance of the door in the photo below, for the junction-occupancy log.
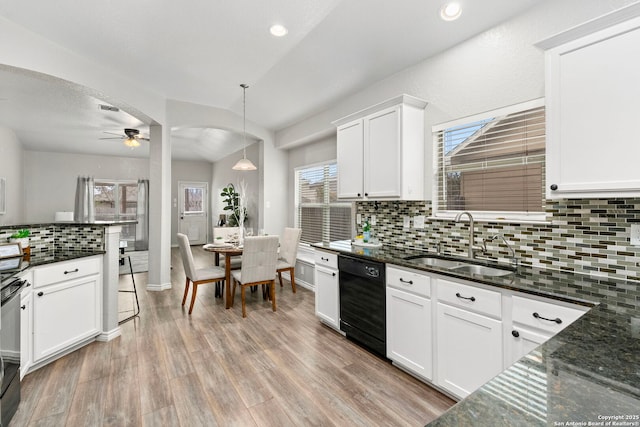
(327, 300)
(349, 154)
(469, 349)
(193, 211)
(65, 314)
(522, 341)
(382, 154)
(409, 331)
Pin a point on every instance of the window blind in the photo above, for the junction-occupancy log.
(319, 214)
(493, 163)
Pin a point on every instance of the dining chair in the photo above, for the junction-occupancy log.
(259, 258)
(288, 254)
(197, 276)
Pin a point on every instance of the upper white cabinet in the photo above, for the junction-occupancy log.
(381, 151)
(592, 108)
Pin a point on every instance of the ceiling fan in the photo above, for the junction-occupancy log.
(131, 137)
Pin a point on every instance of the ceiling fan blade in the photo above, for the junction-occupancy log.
(144, 138)
(113, 133)
(120, 137)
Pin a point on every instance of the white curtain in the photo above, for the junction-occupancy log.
(142, 215)
(84, 210)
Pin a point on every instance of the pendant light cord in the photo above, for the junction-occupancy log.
(244, 120)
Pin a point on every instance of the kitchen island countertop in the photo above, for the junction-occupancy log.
(587, 373)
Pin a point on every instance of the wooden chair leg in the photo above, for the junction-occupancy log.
(273, 294)
(233, 290)
(244, 310)
(293, 280)
(280, 277)
(193, 296)
(186, 291)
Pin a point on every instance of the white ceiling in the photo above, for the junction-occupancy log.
(200, 51)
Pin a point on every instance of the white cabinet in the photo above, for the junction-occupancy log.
(67, 306)
(327, 288)
(592, 108)
(26, 330)
(409, 321)
(380, 151)
(534, 321)
(468, 337)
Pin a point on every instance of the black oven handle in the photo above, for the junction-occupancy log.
(16, 286)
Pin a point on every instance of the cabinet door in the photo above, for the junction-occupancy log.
(409, 337)
(382, 136)
(592, 110)
(26, 332)
(469, 349)
(522, 341)
(327, 296)
(65, 314)
(350, 139)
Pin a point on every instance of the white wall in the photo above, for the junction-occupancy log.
(315, 152)
(224, 175)
(497, 68)
(50, 179)
(192, 171)
(11, 168)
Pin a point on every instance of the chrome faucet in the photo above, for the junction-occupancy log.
(514, 259)
(471, 232)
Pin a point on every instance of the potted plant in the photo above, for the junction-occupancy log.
(22, 237)
(233, 201)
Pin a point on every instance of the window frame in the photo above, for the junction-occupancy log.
(296, 202)
(482, 215)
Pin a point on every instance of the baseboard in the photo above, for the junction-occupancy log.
(156, 288)
(109, 335)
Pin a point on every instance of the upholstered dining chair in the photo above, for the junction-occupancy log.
(197, 276)
(259, 257)
(288, 254)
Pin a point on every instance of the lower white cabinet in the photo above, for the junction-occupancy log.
(66, 308)
(65, 314)
(26, 330)
(534, 321)
(327, 288)
(409, 336)
(469, 349)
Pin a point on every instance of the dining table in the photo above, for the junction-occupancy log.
(228, 251)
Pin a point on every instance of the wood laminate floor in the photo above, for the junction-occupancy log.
(216, 368)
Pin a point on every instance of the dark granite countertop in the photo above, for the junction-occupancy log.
(586, 373)
(47, 258)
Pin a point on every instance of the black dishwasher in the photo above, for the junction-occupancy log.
(363, 302)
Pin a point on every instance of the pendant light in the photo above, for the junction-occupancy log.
(244, 164)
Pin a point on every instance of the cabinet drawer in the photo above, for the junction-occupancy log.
(544, 315)
(328, 259)
(471, 298)
(409, 281)
(61, 271)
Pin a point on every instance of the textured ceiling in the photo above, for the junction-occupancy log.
(200, 51)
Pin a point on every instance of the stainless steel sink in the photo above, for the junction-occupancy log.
(481, 270)
(436, 262)
(460, 266)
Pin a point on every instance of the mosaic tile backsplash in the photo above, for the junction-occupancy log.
(49, 238)
(587, 236)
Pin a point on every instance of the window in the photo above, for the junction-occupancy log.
(492, 164)
(117, 201)
(319, 214)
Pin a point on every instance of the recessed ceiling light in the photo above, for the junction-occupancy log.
(450, 11)
(278, 30)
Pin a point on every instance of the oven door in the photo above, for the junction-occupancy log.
(10, 350)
